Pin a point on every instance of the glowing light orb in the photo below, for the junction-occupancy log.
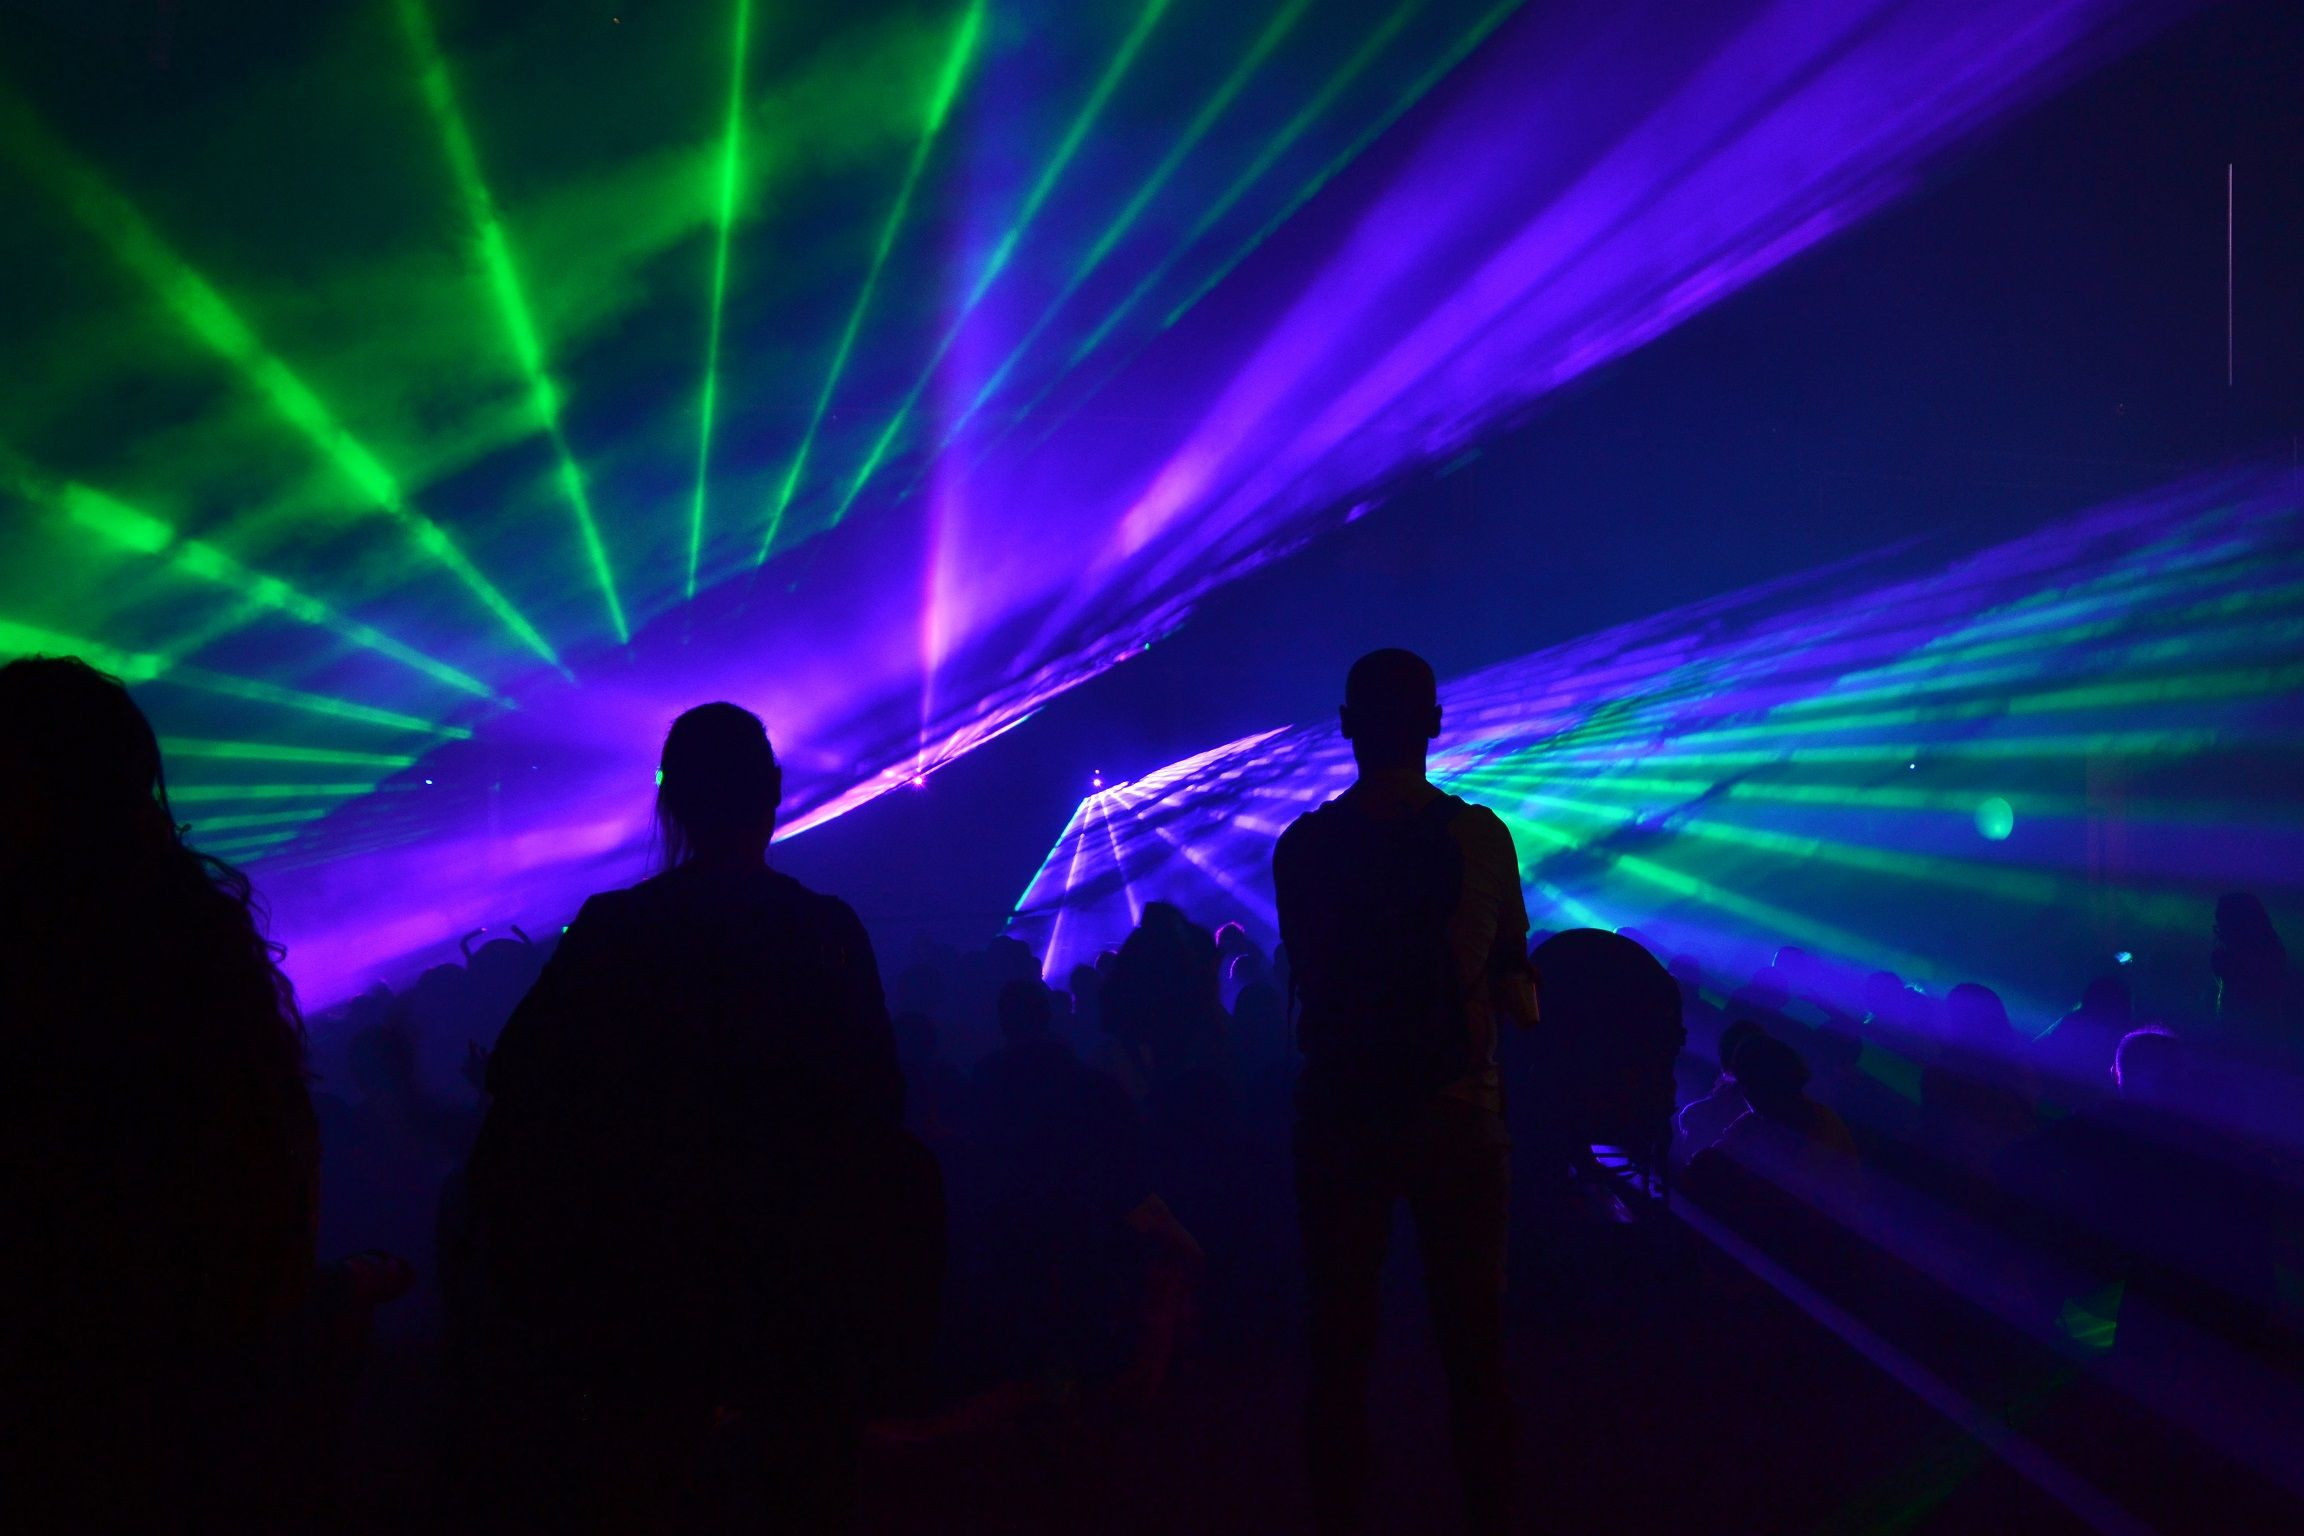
(1995, 819)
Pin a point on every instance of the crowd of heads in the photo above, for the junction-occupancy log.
(1863, 1126)
(1113, 1143)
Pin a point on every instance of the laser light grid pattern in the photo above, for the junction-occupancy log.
(2004, 770)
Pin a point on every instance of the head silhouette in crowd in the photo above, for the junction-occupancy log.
(720, 788)
(915, 1039)
(1011, 959)
(920, 989)
(2250, 962)
(501, 973)
(1027, 1012)
(1765, 992)
(84, 815)
(1771, 1076)
(1974, 1013)
(2243, 922)
(1884, 997)
(1391, 711)
(383, 1062)
(1165, 922)
(1732, 1040)
(2148, 1068)
(1803, 973)
(80, 779)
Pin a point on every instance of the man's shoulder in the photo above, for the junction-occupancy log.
(784, 887)
(1475, 824)
(662, 889)
(667, 899)
(609, 911)
(678, 891)
(1321, 813)
(820, 908)
(1472, 814)
(1308, 826)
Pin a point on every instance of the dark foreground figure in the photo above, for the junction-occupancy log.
(158, 1162)
(702, 1247)
(694, 1253)
(1400, 908)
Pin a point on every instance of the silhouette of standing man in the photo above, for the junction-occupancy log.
(692, 1192)
(1401, 910)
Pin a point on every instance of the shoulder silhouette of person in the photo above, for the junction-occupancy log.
(158, 1152)
(692, 1189)
(1401, 912)
(1699, 1123)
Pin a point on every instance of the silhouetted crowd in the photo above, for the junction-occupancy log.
(701, 1214)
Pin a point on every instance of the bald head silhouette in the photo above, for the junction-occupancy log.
(1391, 710)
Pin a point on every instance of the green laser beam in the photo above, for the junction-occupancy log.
(2055, 621)
(1920, 677)
(1274, 149)
(1219, 101)
(1996, 880)
(1577, 911)
(939, 106)
(1767, 916)
(258, 692)
(251, 819)
(205, 312)
(227, 794)
(1999, 881)
(2022, 628)
(2123, 693)
(1115, 70)
(1440, 69)
(731, 171)
(1865, 798)
(129, 666)
(235, 847)
(1004, 250)
(145, 666)
(1816, 716)
(2150, 743)
(2173, 607)
(129, 528)
(1371, 48)
(511, 295)
(279, 752)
